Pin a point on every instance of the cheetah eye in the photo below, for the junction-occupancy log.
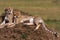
(9, 11)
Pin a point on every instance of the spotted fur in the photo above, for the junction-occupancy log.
(16, 16)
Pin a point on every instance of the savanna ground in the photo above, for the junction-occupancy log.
(49, 10)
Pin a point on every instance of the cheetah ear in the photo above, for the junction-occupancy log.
(5, 9)
(11, 10)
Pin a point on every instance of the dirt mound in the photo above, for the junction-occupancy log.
(20, 32)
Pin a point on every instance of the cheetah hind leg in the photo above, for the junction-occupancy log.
(37, 27)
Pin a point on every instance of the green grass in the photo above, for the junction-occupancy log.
(47, 9)
(53, 24)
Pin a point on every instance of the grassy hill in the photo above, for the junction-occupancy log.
(49, 10)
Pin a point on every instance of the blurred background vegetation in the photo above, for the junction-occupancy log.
(49, 10)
